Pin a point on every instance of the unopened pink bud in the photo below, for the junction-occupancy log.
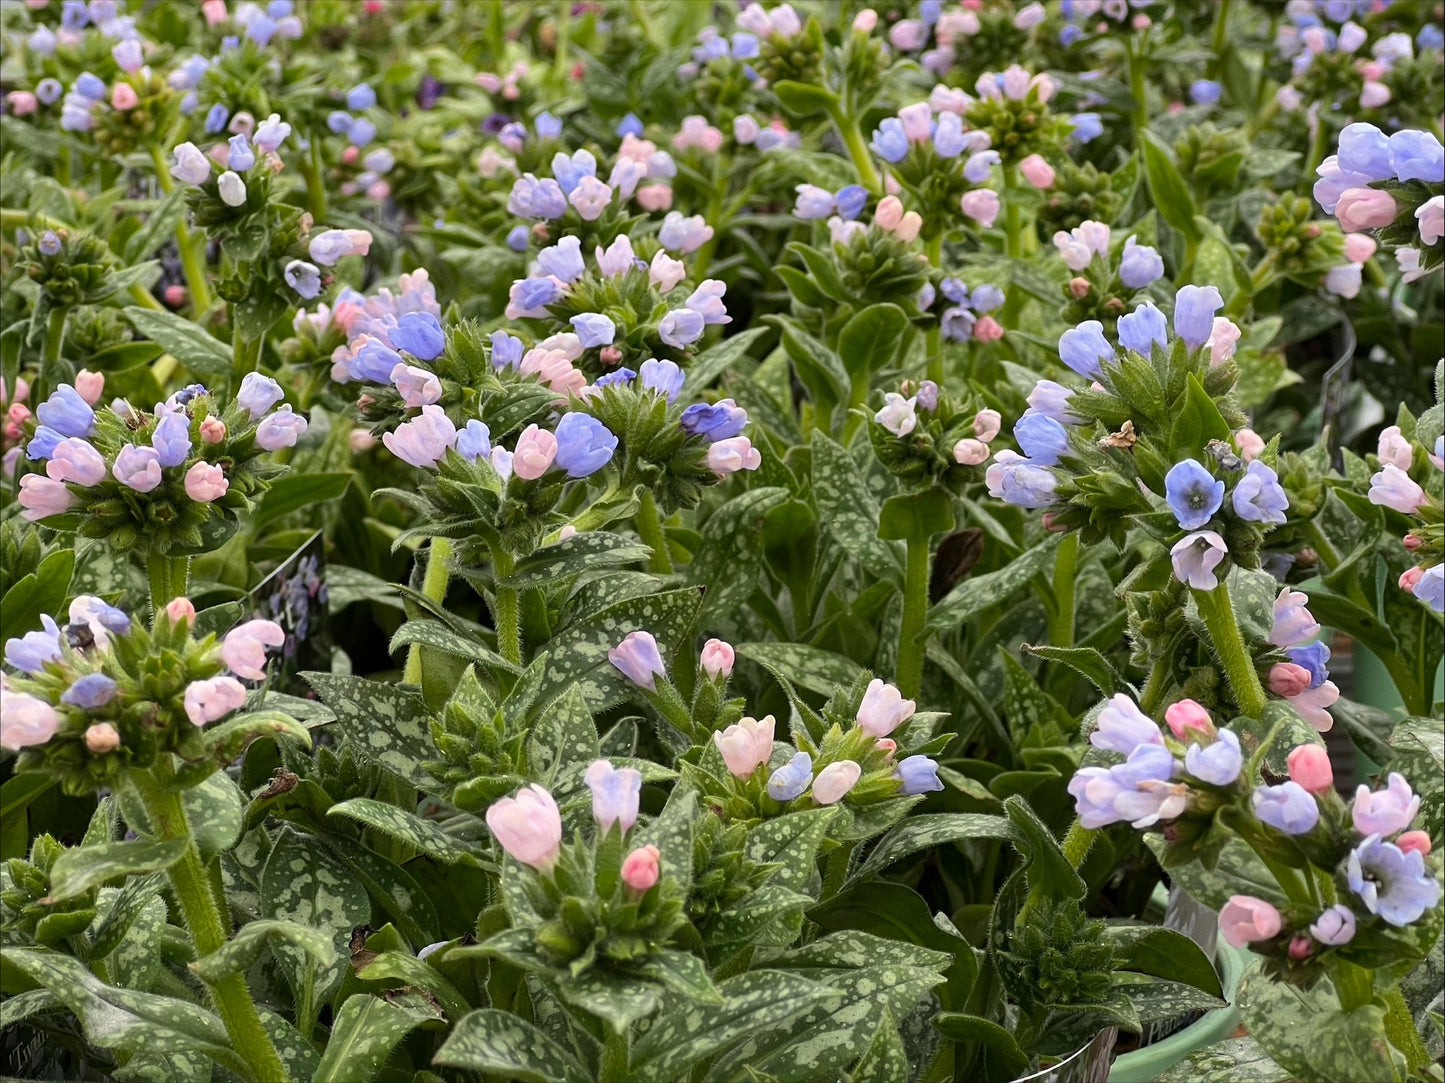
(1412, 841)
(1309, 768)
(1050, 521)
(350, 155)
(970, 452)
(889, 213)
(102, 738)
(641, 869)
(1288, 680)
(1300, 948)
(1079, 287)
(886, 745)
(1186, 718)
(987, 329)
(213, 430)
(1141, 22)
(909, 226)
(176, 296)
(124, 97)
(1412, 542)
(1250, 444)
(91, 385)
(609, 355)
(1037, 171)
(987, 424)
(1409, 577)
(717, 659)
(866, 21)
(1359, 247)
(180, 610)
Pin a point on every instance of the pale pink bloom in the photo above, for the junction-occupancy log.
(207, 701)
(41, 497)
(528, 827)
(214, 11)
(717, 658)
(697, 132)
(1431, 218)
(1359, 247)
(917, 121)
(102, 738)
(213, 430)
(1365, 208)
(1311, 703)
(665, 272)
(1246, 919)
(835, 781)
(866, 21)
(907, 35)
(908, 228)
(1394, 449)
(1224, 335)
(1187, 719)
(883, 709)
(22, 102)
(590, 198)
(889, 213)
(417, 386)
(1373, 95)
(1251, 445)
(655, 197)
(733, 454)
(1037, 171)
(1309, 768)
(987, 329)
(244, 648)
(981, 205)
(746, 745)
(75, 461)
(124, 97)
(536, 448)
(1392, 488)
(987, 424)
(970, 452)
(206, 482)
(25, 720)
(180, 611)
(1386, 811)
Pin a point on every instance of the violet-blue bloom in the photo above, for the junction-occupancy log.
(980, 163)
(362, 132)
(813, 202)
(1017, 481)
(90, 86)
(374, 361)
(1363, 148)
(889, 141)
(30, 652)
(584, 445)
(1193, 493)
(1140, 265)
(791, 781)
(242, 157)
(1217, 763)
(622, 377)
(569, 170)
(507, 350)
(474, 441)
(92, 690)
(1141, 329)
(171, 439)
(1391, 882)
(1121, 727)
(594, 329)
(714, 422)
(550, 127)
(1204, 91)
(955, 289)
(1052, 399)
(1288, 807)
(1258, 496)
(535, 293)
(67, 412)
(339, 122)
(517, 238)
(1313, 658)
(1194, 309)
(986, 298)
(258, 394)
(42, 443)
(562, 260)
(419, 334)
(1135, 790)
(850, 201)
(1083, 348)
(616, 794)
(681, 327)
(1087, 126)
(1041, 438)
(664, 377)
(1417, 155)
(1335, 926)
(948, 138)
(360, 97)
(628, 125)
(919, 774)
(216, 119)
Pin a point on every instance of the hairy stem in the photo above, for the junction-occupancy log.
(1218, 613)
(649, 528)
(1061, 621)
(852, 137)
(434, 586)
(169, 578)
(915, 614)
(507, 617)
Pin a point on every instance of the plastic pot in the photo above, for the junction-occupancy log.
(1089, 1064)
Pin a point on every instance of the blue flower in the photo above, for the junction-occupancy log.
(92, 690)
(714, 422)
(374, 362)
(360, 97)
(986, 298)
(1391, 883)
(419, 334)
(664, 377)
(1042, 438)
(258, 394)
(918, 774)
(1205, 91)
(1052, 399)
(1417, 155)
(42, 444)
(1083, 348)
(628, 125)
(569, 171)
(1258, 497)
(850, 201)
(1193, 493)
(562, 260)
(889, 140)
(1218, 763)
(594, 329)
(1288, 807)
(681, 327)
(1087, 126)
(1070, 34)
(90, 86)
(172, 439)
(1017, 481)
(621, 377)
(948, 138)
(241, 157)
(517, 238)
(362, 132)
(1365, 149)
(745, 46)
(339, 122)
(261, 28)
(955, 290)
(1194, 309)
(1140, 265)
(474, 441)
(30, 652)
(1140, 329)
(535, 293)
(979, 165)
(548, 126)
(584, 445)
(507, 350)
(216, 119)
(791, 780)
(1314, 658)
(67, 412)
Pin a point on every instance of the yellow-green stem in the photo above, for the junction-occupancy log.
(508, 614)
(649, 528)
(192, 261)
(1400, 1029)
(169, 578)
(857, 149)
(315, 182)
(1353, 984)
(1061, 621)
(915, 616)
(434, 586)
(209, 927)
(933, 341)
(1218, 614)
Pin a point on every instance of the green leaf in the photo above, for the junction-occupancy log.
(885, 1061)
(298, 492)
(1047, 866)
(849, 511)
(1234, 1060)
(398, 965)
(819, 367)
(791, 842)
(506, 1045)
(215, 809)
(581, 552)
(1197, 423)
(78, 870)
(730, 559)
(682, 973)
(403, 826)
(1085, 661)
(42, 591)
(237, 954)
(618, 1001)
(1237, 871)
(437, 636)
(1156, 1000)
(384, 723)
(157, 229)
(1165, 953)
(1310, 1036)
(233, 736)
(804, 99)
(564, 736)
(916, 516)
(999, 1057)
(366, 1031)
(685, 1033)
(120, 911)
(1170, 194)
(808, 667)
(717, 360)
(977, 593)
(393, 889)
(872, 339)
(182, 339)
(925, 832)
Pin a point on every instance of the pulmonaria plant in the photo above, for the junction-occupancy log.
(1408, 483)
(1107, 277)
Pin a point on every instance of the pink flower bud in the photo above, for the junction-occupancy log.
(987, 424)
(1412, 841)
(641, 869)
(102, 738)
(206, 701)
(1309, 768)
(22, 102)
(889, 213)
(1365, 208)
(970, 452)
(528, 827)
(91, 385)
(244, 648)
(124, 97)
(1288, 680)
(214, 11)
(885, 745)
(981, 205)
(175, 296)
(1246, 919)
(717, 659)
(1251, 445)
(180, 611)
(609, 355)
(883, 709)
(987, 329)
(746, 745)
(1187, 718)
(206, 482)
(213, 430)
(835, 781)
(866, 21)
(1409, 577)
(350, 155)
(536, 448)
(1412, 542)
(654, 197)
(1079, 287)
(1141, 22)
(1394, 449)
(909, 226)
(1300, 948)
(1359, 247)
(1037, 171)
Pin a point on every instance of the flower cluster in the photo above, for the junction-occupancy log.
(1392, 487)
(575, 186)
(169, 481)
(103, 694)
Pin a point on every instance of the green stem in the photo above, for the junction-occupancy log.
(1221, 40)
(1061, 621)
(1354, 985)
(434, 586)
(315, 187)
(915, 614)
(563, 21)
(649, 528)
(1154, 688)
(1318, 142)
(1075, 846)
(192, 261)
(1400, 1029)
(1138, 91)
(856, 415)
(507, 617)
(669, 702)
(1218, 613)
(933, 341)
(852, 137)
(1013, 244)
(169, 578)
(209, 928)
(50, 363)
(612, 1065)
